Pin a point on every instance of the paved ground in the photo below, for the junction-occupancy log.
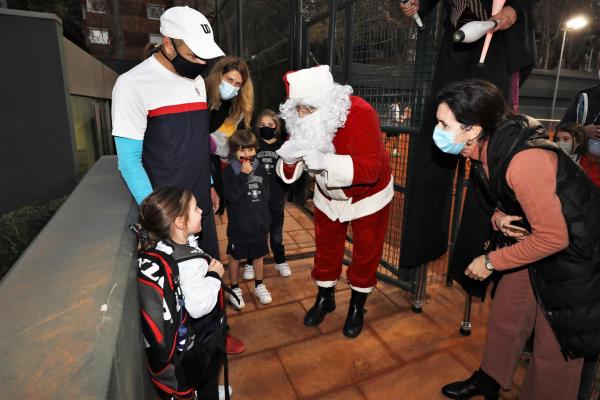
(399, 355)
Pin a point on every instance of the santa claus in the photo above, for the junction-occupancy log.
(336, 137)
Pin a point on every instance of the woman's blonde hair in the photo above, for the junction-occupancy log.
(242, 105)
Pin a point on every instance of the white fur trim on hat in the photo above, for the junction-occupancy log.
(309, 82)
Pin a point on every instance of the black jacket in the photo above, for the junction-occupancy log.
(584, 112)
(246, 200)
(519, 47)
(278, 189)
(567, 283)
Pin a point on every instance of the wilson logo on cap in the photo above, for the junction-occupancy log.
(205, 28)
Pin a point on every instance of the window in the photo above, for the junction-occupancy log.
(96, 6)
(98, 36)
(154, 11)
(155, 38)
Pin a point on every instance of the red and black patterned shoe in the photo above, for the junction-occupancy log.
(234, 345)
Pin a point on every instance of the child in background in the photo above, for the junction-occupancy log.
(169, 220)
(268, 131)
(246, 187)
(571, 138)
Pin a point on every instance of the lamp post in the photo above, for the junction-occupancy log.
(572, 25)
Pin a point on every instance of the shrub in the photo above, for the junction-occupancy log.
(19, 227)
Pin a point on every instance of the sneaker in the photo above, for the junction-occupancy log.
(284, 269)
(234, 345)
(222, 391)
(262, 294)
(248, 272)
(237, 305)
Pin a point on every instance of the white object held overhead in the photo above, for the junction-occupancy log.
(473, 31)
(415, 17)
(496, 8)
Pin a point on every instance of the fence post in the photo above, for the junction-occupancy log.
(331, 37)
(417, 302)
(240, 29)
(348, 50)
(465, 325)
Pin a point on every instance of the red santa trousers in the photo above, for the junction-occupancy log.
(368, 234)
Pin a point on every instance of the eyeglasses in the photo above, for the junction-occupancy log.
(304, 109)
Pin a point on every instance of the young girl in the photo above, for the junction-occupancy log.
(169, 219)
(571, 138)
(246, 185)
(268, 131)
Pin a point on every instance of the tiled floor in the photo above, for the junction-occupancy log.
(399, 355)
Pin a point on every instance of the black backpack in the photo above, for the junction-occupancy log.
(178, 348)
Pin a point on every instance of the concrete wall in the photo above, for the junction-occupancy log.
(70, 313)
(37, 153)
(86, 75)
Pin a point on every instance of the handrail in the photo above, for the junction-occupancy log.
(70, 314)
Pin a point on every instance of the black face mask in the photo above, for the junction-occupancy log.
(267, 132)
(184, 67)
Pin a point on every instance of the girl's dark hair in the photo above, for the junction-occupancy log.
(476, 102)
(241, 139)
(158, 211)
(271, 114)
(577, 133)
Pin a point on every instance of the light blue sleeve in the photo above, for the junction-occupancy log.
(129, 152)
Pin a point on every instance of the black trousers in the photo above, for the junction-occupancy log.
(207, 239)
(275, 235)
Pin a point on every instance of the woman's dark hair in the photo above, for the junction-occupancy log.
(271, 114)
(476, 102)
(241, 139)
(577, 133)
(158, 211)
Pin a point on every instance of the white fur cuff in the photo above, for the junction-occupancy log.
(362, 289)
(326, 283)
(340, 170)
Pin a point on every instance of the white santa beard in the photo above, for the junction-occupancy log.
(317, 130)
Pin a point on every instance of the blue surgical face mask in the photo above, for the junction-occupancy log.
(228, 91)
(445, 141)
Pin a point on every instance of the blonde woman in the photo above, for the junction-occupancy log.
(230, 95)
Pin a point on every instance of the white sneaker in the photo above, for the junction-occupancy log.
(248, 272)
(284, 269)
(262, 294)
(222, 391)
(237, 305)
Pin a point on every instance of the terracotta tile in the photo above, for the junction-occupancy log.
(420, 380)
(298, 286)
(348, 393)
(290, 224)
(305, 221)
(273, 327)
(378, 306)
(259, 376)
(296, 266)
(333, 361)
(302, 238)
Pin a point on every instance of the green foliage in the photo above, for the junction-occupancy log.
(19, 227)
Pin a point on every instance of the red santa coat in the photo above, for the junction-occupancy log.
(358, 181)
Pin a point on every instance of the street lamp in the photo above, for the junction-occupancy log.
(571, 25)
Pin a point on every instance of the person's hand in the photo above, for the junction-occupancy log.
(506, 18)
(287, 152)
(314, 159)
(410, 8)
(216, 266)
(592, 131)
(477, 270)
(214, 197)
(246, 167)
(504, 224)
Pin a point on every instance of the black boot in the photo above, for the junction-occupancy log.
(356, 311)
(479, 384)
(324, 304)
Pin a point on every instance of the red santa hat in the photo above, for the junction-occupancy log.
(308, 82)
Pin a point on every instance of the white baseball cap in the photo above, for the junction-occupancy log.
(193, 28)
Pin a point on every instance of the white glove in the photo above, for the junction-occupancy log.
(314, 159)
(288, 151)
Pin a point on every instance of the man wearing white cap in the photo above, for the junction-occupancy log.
(160, 117)
(337, 138)
(161, 121)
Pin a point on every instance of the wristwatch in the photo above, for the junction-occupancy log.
(487, 262)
